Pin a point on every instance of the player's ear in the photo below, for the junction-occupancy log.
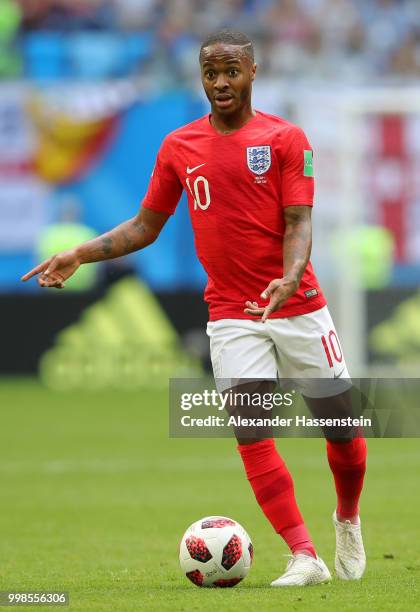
(253, 71)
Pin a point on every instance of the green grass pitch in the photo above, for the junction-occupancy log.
(95, 498)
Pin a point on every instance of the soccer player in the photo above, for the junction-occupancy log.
(249, 181)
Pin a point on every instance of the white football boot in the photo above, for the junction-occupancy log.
(303, 570)
(350, 558)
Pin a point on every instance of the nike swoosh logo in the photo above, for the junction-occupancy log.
(339, 374)
(190, 170)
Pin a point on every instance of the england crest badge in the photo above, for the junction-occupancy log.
(259, 159)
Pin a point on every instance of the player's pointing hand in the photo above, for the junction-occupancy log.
(278, 291)
(55, 270)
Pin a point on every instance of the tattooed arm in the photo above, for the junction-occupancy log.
(132, 235)
(297, 244)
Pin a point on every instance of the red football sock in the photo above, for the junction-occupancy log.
(273, 487)
(348, 464)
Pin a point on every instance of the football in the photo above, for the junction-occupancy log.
(216, 551)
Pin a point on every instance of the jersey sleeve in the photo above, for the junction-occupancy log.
(165, 188)
(297, 177)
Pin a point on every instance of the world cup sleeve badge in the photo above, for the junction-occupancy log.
(308, 166)
(259, 160)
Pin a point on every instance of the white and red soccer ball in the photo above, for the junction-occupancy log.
(216, 551)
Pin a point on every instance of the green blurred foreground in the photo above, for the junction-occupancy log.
(95, 498)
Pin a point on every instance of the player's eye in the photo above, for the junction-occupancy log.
(209, 74)
(233, 72)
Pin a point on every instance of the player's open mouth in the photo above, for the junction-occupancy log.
(223, 100)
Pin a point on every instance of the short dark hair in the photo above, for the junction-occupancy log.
(230, 37)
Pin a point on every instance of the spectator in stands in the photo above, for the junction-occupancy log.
(406, 59)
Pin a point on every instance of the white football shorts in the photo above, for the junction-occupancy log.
(303, 350)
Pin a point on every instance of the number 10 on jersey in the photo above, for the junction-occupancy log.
(197, 196)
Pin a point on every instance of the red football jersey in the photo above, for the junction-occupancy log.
(237, 185)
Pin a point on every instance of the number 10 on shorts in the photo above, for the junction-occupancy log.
(332, 348)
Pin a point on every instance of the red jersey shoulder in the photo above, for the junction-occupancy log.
(275, 120)
(185, 132)
(285, 131)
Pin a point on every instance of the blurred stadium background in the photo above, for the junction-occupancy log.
(89, 89)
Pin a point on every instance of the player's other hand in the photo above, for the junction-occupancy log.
(277, 292)
(55, 270)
